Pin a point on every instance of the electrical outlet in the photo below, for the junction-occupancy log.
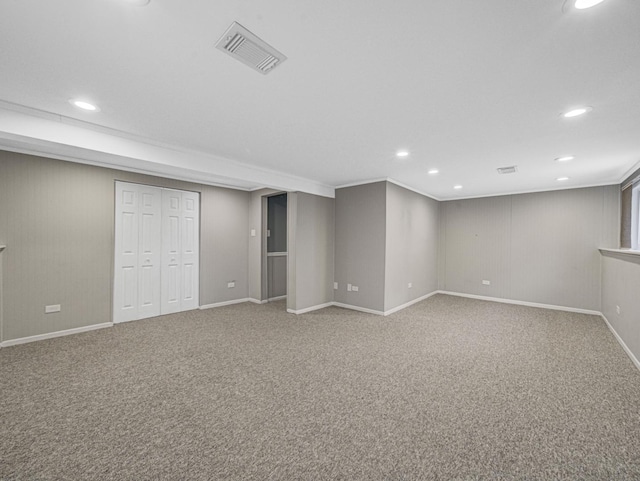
(335, 285)
(231, 284)
(52, 308)
(486, 282)
(618, 309)
(354, 288)
(349, 287)
(410, 285)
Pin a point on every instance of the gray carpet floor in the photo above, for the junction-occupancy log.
(448, 389)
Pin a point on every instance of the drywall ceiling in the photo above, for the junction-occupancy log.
(465, 86)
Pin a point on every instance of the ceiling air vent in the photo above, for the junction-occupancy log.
(242, 45)
(508, 170)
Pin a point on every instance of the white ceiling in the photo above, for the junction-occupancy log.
(465, 86)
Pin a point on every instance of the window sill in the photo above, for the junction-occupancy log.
(624, 252)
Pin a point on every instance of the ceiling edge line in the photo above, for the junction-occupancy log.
(82, 124)
(588, 186)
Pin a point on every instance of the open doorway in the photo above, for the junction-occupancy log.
(275, 254)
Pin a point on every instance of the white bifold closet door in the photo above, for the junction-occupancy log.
(156, 251)
(180, 247)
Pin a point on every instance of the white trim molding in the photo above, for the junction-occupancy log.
(310, 309)
(523, 303)
(633, 358)
(358, 308)
(277, 298)
(51, 335)
(410, 303)
(227, 303)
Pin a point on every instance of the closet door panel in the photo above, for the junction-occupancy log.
(190, 250)
(125, 277)
(171, 259)
(150, 241)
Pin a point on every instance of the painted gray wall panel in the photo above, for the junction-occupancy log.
(620, 281)
(411, 246)
(442, 243)
(59, 236)
(539, 247)
(225, 243)
(478, 246)
(58, 223)
(277, 273)
(314, 250)
(555, 241)
(360, 244)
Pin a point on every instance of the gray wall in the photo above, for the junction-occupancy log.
(411, 253)
(360, 244)
(224, 244)
(311, 250)
(540, 247)
(277, 276)
(57, 220)
(620, 281)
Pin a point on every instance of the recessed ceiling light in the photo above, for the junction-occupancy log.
(582, 4)
(81, 104)
(562, 179)
(566, 158)
(433, 171)
(402, 153)
(457, 186)
(577, 112)
(139, 3)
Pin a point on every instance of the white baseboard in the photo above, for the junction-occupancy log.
(410, 303)
(522, 303)
(51, 335)
(256, 301)
(227, 303)
(278, 298)
(358, 308)
(633, 358)
(312, 308)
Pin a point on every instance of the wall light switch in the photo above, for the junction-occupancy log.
(335, 285)
(52, 308)
(349, 287)
(253, 232)
(410, 285)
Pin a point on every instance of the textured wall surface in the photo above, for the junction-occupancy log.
(620, 281)
(57, 220)
(540, 247)
(312, 257)
(360, 244)
(411, 254)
